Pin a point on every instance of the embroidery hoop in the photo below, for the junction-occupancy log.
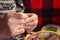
(29, 35)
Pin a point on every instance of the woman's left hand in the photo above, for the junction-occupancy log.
(31, 22)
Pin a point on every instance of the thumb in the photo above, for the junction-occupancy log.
(20, 15)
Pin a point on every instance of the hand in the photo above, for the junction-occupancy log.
(15, 22)
(19, 22)
(31, 22)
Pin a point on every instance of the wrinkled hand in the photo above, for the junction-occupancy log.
(15, 22)
(19, 22)
(31, 22)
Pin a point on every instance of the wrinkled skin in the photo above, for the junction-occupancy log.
(16, 23)
(31, 22)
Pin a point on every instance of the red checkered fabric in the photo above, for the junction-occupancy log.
(47, 10)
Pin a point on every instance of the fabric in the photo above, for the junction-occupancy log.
(18, 37)
(47, 10)
(7, 6)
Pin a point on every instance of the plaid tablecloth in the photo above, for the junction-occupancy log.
(47, 10)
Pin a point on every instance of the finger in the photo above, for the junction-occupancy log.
(32, 18)
(31, 26)
(29, 15)
(31, 23)
(18, 15)
(21, 15)
(10, 14)
(20, 29)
